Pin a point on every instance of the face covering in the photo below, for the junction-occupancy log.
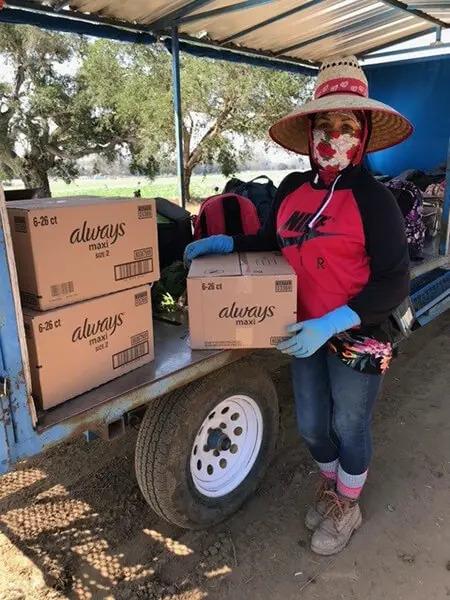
(333, 152)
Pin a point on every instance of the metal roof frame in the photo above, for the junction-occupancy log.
(229, 8)
(53, 22)
(415, 11)
(432, 5)
(369, 21)
(408, 51)
(355, 37)
(266, 22)
(384, 45)
(60, 4)
(191, 13)
(58, 20)
(172, 18)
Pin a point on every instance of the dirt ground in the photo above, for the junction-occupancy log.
(74, 525)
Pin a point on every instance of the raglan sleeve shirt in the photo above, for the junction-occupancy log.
(385, 242)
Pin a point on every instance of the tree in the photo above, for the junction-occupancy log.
(69, 97)
(47, 121)
(226, 107)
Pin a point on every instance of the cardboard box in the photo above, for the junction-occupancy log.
(72, 249)
(78, 347)
(241, 301)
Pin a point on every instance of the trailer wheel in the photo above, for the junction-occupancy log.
(202, 450)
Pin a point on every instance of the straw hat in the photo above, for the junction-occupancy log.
(341, 84)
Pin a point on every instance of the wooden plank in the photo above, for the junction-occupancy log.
(4, 224)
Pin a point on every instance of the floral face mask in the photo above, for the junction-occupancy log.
(334, 149)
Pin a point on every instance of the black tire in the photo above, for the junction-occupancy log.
(166, 437)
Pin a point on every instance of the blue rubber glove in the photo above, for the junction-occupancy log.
(216, 244)
(311, 335)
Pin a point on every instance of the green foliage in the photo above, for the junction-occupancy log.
(47, 121)
(226, 107)
(117, 98)
(167, 292)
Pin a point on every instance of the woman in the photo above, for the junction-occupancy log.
(343, 233)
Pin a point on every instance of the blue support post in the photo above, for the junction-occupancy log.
(176, 82)
(445, 232)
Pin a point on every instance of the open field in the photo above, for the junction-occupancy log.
(165, 187)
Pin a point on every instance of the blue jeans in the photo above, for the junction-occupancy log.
(334, 405)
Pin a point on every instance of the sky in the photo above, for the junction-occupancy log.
(424, 40)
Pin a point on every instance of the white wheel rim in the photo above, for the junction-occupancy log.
(235, 422)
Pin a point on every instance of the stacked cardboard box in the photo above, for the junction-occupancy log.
(84, 267)
(241, 300)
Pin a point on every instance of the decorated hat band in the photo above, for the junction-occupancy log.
(342, 85)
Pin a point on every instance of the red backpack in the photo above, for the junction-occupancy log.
(229, 214)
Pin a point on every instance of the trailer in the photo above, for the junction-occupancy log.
(208, 420)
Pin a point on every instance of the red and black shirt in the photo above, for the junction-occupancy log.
(355, 253)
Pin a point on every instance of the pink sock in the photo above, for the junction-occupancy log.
(348, 485)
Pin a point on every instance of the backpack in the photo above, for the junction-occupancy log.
(174, 231)
(230, 214)
(410, 200)
(261, 194)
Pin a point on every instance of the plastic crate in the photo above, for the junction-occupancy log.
(429, 288)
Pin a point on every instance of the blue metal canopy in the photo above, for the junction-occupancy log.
(291, 34)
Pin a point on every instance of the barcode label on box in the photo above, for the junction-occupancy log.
(228, 344)
(130, 354)
(20, 224)
(62, 289)
(275, 340)
(283, 285)
(143, 253)
(133, 269)
(141, 298)
(145, 211)
(139, 338)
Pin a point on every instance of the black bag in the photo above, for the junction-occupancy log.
(174, 231)
(261, 194)
(23, 194)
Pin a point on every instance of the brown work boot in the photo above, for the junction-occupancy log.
(342, 518)
(317, 510)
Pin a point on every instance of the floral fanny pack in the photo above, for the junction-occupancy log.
(368, 354)
(363, 353)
